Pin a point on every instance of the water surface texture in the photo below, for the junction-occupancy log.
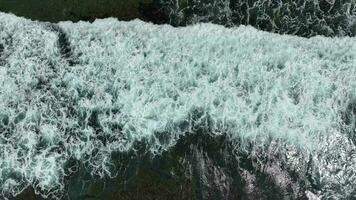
(300, 17)
(77, 94)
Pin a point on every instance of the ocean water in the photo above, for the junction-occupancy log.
(301, 17)
(305, 18)
(82, 91)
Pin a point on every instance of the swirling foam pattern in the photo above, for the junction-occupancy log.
(83, 91)
(298, 17)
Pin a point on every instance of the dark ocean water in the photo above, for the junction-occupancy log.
(301, 17)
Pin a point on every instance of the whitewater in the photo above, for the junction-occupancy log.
(85, 90)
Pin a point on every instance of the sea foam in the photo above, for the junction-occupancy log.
(81, 91)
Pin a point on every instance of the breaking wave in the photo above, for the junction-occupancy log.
(82, 91)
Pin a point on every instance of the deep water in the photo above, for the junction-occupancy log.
(305, 18)
(199, 112)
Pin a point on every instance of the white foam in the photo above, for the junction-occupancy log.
(146, 78)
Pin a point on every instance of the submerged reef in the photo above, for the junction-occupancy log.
(199, 112)
(298, 17)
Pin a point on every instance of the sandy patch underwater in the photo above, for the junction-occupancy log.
(85, 90)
